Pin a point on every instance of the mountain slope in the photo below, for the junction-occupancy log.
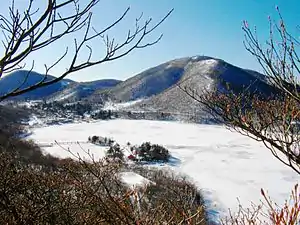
(16, 79)
(148, 83)
(197, 73)
(64, 90)
(156, 89)
(78, 91)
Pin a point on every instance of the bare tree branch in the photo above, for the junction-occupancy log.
(274, 120)
(24, 35)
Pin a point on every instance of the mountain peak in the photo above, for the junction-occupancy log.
(158, 89)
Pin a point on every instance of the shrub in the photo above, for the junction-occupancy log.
(103, 115)
(25, 151)
(94, 139)
(79, 192)
(149, 152)
(104, 141)
(175, 193)
(268, 212)
(158, 152)
(115, 152)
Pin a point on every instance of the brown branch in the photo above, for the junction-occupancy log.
(24, 36)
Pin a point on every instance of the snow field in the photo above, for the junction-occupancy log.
(223, 164)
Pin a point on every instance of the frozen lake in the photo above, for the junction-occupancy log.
(224, 164)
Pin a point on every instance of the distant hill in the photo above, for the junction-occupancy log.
(16, 79)
(64, 90)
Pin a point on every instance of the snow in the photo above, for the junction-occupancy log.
(65, 96)
(118, 106)
(29, 104)
(223, 164)
(210, 62)
(65, 83)
(34, 120)
(85, 150)
(133, 179)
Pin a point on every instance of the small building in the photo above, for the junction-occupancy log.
(131, 157)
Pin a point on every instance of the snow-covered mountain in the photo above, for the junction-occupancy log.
(146, 84)
(78, 91)
(200, 74)
(158, 86)
(66, 89)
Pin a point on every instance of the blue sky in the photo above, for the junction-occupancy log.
(196, 27)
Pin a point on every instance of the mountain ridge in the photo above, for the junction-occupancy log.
(17, 79)
(196, 72)
(156, 88)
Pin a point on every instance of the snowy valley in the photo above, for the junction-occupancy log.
(223, 164)
(229, 169)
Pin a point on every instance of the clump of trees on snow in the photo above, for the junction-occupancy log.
(98, 140)
(149, 152)
(103, 115)
(145, 152)
(115, 152)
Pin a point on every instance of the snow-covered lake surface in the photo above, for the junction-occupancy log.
(224, 164)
